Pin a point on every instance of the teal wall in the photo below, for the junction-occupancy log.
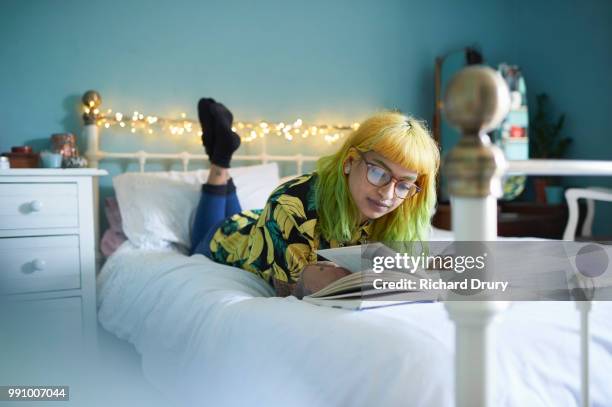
(278, 60)
(566, 51)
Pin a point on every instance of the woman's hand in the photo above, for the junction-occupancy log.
(318, 275)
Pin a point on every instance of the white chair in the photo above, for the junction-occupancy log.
(591, 194)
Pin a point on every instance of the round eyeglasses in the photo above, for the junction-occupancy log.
(380, 177)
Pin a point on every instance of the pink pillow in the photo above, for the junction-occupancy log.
(113, 215)
(113, 237)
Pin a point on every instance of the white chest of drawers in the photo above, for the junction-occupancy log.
(47, 245)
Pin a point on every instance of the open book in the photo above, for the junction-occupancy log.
(363, 289)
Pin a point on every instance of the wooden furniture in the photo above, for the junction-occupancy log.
(47, 246)
(518, 219)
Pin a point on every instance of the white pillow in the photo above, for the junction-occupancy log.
(157, 208)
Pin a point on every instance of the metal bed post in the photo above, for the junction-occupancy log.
(476, 100)
(91, 133)
(584, 307)
(264, 151)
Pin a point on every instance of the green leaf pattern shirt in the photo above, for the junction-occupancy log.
(276, 242)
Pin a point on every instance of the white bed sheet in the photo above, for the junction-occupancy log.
(210, 334)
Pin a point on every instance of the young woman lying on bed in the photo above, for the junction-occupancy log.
(379, 186)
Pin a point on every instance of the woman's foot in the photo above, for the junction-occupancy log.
(207, 124)
(226, 141)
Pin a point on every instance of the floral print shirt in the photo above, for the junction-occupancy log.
(276, 242)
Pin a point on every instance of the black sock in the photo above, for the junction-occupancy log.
(215, 189)
(208, 125)
(224, 189)
(230, 186)
(226, 141)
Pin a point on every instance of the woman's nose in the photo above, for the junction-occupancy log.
(387, 191)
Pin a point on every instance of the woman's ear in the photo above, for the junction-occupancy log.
(347, 167)
(348, 162)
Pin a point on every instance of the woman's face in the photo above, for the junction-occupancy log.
(371, 200)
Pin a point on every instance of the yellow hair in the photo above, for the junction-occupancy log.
(401, 139)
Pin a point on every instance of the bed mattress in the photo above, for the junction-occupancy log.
(210, 334)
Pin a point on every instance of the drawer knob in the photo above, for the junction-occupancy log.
(36, 206)
(39, 264)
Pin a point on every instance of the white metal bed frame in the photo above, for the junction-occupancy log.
(474, 360)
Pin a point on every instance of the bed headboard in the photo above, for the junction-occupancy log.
(91, 132)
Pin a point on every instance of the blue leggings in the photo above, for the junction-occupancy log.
(217, 203)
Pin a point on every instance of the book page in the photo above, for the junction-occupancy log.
(346, 257)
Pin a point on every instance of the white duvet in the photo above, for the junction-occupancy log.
(212, 335)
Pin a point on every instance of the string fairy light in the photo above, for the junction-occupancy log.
(248, 131)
